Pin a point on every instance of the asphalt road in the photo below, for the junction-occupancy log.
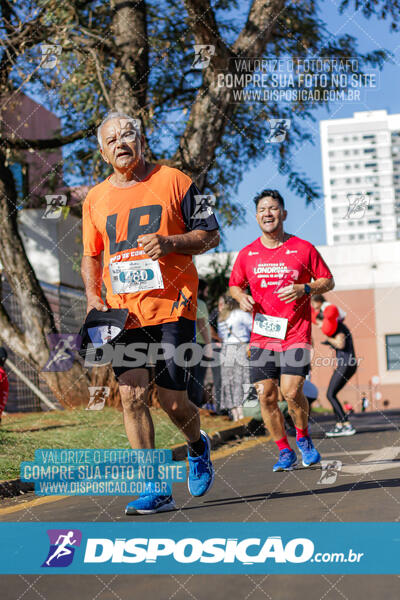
(363, 486)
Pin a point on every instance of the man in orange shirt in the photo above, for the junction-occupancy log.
(141, 227)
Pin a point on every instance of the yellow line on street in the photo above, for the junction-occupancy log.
(30, 504)
(216, 455)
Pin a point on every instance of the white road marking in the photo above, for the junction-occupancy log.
(380, 459)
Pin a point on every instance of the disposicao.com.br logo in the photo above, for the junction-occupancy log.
(212, 550)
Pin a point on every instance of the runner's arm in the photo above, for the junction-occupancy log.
(321, 285)
(238, 282)
(296, 290)
(91, 269)
(245, 301)
(339, 341)
(202, 328)
(192, 242)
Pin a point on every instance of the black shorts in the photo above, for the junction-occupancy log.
(270, 364)
(157, 346)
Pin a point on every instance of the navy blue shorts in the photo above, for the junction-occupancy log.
(164, 347)
(270, 364)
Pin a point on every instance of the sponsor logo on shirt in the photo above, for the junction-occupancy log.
(252, 253)
(291, 251)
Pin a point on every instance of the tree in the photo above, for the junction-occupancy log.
(138, 57)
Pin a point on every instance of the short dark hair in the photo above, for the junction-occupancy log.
(272, 194)
(202, 286)
(319, 298)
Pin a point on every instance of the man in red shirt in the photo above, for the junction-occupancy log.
(282, 271)
(3, 381)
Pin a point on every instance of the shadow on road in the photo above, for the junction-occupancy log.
(348, 487)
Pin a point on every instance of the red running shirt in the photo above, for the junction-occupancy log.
(266, 271)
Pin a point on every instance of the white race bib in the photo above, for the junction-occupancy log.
(269, 326)
(132, 276)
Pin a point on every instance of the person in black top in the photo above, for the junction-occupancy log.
(342, 342)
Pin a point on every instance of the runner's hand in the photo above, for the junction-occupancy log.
(95, 302)
(291, 292)
(155, 245)
(246, 303)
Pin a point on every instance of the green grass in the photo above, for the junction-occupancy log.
(22, 434)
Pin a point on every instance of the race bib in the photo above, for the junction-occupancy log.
(274, 327)
(132, 276)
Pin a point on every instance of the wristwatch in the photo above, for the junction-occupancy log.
(307, 289)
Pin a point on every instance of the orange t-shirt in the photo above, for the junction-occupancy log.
(114, 217)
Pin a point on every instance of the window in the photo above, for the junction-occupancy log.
(368, 150)
(392, 352)
(368, 137)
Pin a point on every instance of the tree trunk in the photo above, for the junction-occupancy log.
(30, 343)
(129, 78)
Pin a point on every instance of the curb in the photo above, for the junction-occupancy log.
(16, 487)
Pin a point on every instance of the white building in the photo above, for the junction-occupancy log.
(361, 170)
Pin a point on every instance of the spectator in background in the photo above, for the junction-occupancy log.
(203, 338)
(3, 381)
(234, 329)
(216, 341)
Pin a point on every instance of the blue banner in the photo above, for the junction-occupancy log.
(109, 472)
(145, 547)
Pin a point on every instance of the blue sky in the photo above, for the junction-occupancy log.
(308, 221)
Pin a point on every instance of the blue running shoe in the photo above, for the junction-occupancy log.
(148, 504)
(287, 461)
(311, 456)
(201, 471)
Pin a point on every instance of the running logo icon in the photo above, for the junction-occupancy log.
(330, 471)
(203, 54)
(204, 206)
(358, 204)
(98, 397)
(278, 130)
(63, 347)
(62, 547)
(50, 54)
(55, 205)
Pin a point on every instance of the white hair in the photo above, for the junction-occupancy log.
(116, 115)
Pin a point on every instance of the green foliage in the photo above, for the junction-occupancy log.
(73, 89)
(218, 281)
